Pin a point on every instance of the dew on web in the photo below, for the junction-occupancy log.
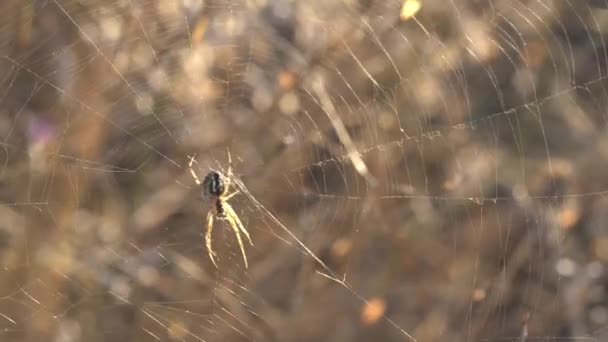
(408, 170)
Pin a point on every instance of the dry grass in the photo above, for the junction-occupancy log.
(439, 176)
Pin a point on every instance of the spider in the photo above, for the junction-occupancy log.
(215, 186)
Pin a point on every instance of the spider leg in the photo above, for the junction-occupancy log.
(237, 226)
(229, 173)
(237, 222)
(208, 238)
(227, 182)
(227, 197)
(192, 161)
(228, 179)
(229, 162)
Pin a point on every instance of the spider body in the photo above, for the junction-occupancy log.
(215, 186)
(219, 207)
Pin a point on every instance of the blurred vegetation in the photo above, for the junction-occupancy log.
(477, 210)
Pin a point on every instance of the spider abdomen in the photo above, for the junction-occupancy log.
(213, 185)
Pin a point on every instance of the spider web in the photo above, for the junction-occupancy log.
(408, 170)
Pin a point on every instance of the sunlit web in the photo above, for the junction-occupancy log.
(408, 170)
